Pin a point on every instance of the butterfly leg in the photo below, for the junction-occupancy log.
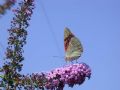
(66, 61)
(76, 61)
(71, 62)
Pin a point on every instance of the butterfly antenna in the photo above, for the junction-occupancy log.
(58, 57)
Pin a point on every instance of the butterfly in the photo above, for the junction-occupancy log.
(72, 45)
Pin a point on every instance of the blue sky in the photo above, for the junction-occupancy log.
(95, 22)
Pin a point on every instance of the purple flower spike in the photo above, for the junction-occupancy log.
(57, 78)
(71, 75)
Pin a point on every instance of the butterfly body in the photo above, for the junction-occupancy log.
(72, 45)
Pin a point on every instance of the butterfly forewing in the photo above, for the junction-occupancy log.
(67, 37)
(73, 47)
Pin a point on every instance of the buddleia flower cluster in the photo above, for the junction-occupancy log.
(56, 79)
(70, 75)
